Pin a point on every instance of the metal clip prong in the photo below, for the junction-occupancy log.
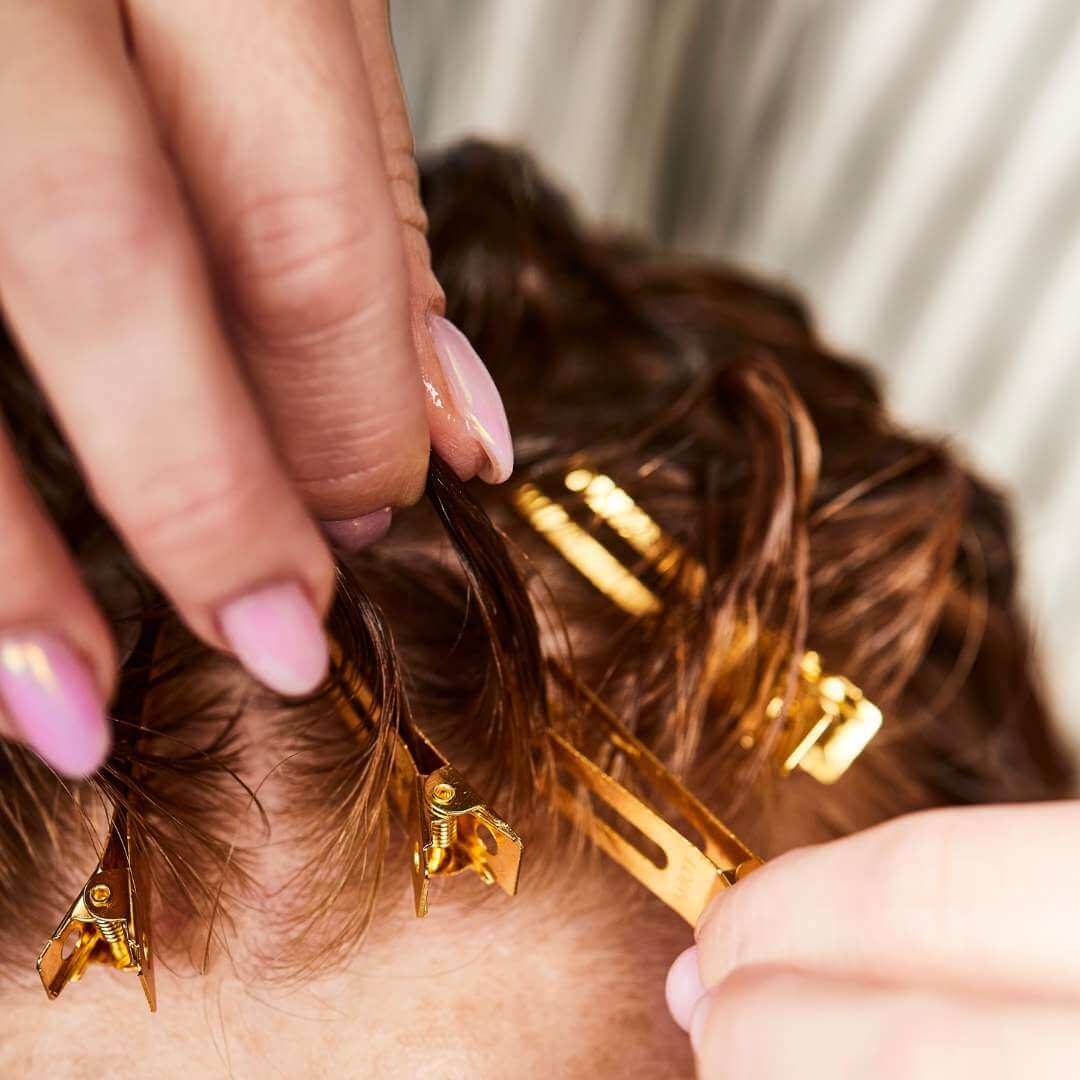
(831, 726)
(451, 828)
(108, 922)
(688, 877)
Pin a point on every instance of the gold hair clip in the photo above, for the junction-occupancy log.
(451, 827)
(829, 723)
(682, 874)
(108, 922)
(829, 727)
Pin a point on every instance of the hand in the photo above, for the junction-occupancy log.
(213, 255)
(944, 944)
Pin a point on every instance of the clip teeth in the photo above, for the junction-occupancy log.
(451, 827)
(107, 922)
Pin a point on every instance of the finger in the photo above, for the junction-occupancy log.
(465, 412)
(267, 112)
(104, 286)
(56, 655)
(770, 1024)
(975, 896)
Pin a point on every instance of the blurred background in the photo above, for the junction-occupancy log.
(911, 166)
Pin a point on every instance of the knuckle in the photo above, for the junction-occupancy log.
(186, 508)
(92, 224)
(295, 262)
(912, 878)
(404, 178)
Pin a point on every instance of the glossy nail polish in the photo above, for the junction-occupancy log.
(51, 695)
(277, 635)
(354, 534)
(475, 397)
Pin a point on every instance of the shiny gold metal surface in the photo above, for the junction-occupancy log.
(830, 727)
(682, 874)
(584, 552)
(108, 922)
(450, 827)
(829, 721)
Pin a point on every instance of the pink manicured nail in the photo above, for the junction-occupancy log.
(352, 534)
(54, 701)
(683, 988)
(475, 397)
(278, 637)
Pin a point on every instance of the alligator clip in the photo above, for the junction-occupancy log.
(830, 722)
(108, 922)
(451, 827)
(681, 873)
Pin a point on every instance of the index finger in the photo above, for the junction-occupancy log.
(970, 897)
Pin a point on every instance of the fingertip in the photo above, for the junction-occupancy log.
(481, 445)
(354, 534)
(53, 699)
(684, 988)
(710, 915)
(279, 638)
(699, 1023)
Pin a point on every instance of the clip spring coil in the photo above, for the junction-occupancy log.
(450, 827)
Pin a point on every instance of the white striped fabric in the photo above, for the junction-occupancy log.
(912, 165)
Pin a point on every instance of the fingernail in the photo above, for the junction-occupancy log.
(684, 988)
(53, 699)
(475, 397)
(277, 635)
(353, 534)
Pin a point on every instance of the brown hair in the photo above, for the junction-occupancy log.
(708, 397)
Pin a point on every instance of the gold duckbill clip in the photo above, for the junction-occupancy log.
(451, 827)
(108, 922)
(830, 727)
(829, 723)
(683, 876)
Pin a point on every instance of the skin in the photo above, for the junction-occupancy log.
(565, 980)
(213, 256)
(942, 944)
(509, 990)
(212, 252)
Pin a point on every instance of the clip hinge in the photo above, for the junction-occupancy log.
(832, 722)
(450, 827)
(453, 830)
(681, 874)
(106, 924)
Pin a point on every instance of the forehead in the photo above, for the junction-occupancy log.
(554, 983)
